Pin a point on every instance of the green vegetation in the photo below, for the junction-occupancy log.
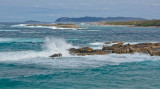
(144, 23)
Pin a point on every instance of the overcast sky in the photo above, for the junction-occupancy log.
(49, 10)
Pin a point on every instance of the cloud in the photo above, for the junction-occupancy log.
(15, 17)
(37, 6)
(149, 4)
(85, 4)
(57, 4)
(155, 4)
(51, 15)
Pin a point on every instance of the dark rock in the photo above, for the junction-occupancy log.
(56, 55)
(154, 52)
(80, 50)
(107, 48)
(113, 47)
(99, 52)
(122, 42)
(107, 42)
(86, 51)
(108, 51)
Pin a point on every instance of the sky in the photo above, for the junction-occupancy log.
(50, 10)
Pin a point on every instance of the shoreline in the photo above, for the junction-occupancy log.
(125, 25)
(55, 25)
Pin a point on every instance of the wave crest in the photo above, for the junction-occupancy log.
(56, 45)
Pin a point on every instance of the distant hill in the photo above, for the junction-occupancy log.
(97, 19)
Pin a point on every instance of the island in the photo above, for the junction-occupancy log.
(60, 25)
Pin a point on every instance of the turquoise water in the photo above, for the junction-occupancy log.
(25, 62)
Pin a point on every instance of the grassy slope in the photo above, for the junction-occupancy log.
(135, 23)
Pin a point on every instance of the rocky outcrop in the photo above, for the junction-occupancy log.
(118, 47)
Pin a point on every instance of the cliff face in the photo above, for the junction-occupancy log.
(96, 19)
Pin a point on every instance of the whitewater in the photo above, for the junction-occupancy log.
(25, 61)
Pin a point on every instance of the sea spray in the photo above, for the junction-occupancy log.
(51, 46)
(57, 45)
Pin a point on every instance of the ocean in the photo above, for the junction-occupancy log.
(25, 61)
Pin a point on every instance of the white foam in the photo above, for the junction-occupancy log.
(20, 55)
(103, 43)
(19, 25)
(97, 43)
(51, 27)
(100, 44)
(90, 61)
(25, 26)
(122, 58)
(5, 39)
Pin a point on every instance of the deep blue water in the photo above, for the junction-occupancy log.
(25, 62)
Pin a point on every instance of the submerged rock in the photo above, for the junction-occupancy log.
(56, 55)
(107, 42)
(117, 42)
